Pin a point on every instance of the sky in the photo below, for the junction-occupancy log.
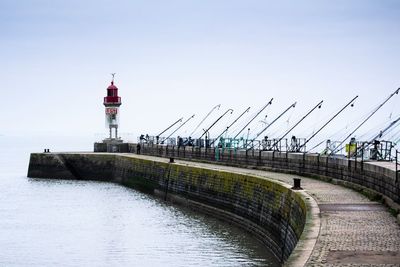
(176, 58)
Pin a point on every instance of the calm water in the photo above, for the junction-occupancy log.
(75, 223)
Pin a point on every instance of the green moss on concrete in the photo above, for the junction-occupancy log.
(140, 184)
(267, 205)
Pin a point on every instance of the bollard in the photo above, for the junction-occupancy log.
(171, 160)
(297, 184)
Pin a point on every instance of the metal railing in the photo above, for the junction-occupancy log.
(378, 150)
(284, 145)
(112, 100)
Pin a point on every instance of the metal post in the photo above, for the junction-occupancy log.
(362, 158)
(355, 158)
(297, 184)
(348, 158)
(247, 138)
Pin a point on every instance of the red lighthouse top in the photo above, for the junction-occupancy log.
(112, 86)
(112, 98)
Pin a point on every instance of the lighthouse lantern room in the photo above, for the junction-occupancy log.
(112, 102)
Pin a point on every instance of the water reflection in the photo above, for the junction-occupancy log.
(84, 223)
(81, 223)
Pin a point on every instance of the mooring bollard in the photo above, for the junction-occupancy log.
(297, 184)
(171, 160)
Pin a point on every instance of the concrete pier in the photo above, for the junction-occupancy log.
(269, 210)
(342, 227)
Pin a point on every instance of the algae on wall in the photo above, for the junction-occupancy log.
(267, 204)
(269, 210)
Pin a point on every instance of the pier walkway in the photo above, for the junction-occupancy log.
(353, 231)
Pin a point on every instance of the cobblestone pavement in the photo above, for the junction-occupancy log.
(367, 237)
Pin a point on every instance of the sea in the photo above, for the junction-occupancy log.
(52, 222)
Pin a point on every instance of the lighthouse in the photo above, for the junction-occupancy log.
(112, 102)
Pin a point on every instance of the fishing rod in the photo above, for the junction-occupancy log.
(379, 107)
(350, 103)
(318, 145)
(264, 121)
(247, 137)
(395, 136)
(158, 136)
(205, 131)
(380, 134)
(258, 113)
(209, 113)
(162, 142)
(263, 130)
(230, 125)
(294, 126)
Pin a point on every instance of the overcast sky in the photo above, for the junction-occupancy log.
(178, 58)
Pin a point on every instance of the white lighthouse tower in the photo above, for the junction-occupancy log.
(112, 102)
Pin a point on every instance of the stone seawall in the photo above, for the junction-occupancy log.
(271, 211)
(368, 177)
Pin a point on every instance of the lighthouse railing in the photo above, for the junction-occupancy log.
(112, 100)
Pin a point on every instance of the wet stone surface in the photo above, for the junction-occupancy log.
(351, 207)
(364, 257)
(357, 233)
